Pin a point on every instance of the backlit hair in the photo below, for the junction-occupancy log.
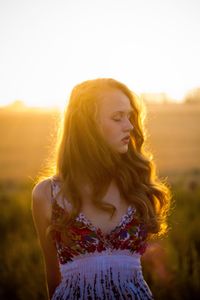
(84, 156)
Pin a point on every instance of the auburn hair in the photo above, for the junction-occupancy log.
(83, 155)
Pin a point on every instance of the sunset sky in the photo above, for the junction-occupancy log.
(46, 47)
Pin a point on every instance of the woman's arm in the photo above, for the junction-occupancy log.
(41, 211)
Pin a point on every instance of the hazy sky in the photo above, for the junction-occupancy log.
(46, 46)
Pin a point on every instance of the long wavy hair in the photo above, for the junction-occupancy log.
(84, 156)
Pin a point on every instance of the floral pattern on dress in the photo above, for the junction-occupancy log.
(84, 238)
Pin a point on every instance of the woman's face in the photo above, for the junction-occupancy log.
(114, 117)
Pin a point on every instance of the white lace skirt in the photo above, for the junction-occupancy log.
(103, 276)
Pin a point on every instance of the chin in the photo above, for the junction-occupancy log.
(123, 150)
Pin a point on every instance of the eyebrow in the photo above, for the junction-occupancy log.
(123, 111)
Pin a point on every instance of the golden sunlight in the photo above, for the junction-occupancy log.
(133, 42)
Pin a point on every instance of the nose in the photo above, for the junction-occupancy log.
(128, 125)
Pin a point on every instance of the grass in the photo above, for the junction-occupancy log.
(171, 265)
(28, 139)
(21, 263)
(175, 260)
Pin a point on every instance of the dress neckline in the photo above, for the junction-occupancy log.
(81, 217)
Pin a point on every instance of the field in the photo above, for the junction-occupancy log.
(171, 265)
(28, 138)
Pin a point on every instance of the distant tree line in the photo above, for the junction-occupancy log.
(193, 96)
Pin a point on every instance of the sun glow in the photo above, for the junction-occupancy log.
(49, 47)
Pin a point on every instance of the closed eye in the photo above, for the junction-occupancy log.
(117, 120)
(120, 119)
(120, 115)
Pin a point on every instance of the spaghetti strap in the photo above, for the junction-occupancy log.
(54, 188)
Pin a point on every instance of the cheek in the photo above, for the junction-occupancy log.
(110, 130)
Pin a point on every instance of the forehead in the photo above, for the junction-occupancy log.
(114, 100)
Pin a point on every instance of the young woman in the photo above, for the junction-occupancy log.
(95, 214)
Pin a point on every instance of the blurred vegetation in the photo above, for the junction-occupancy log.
(21, 275)
(193, 96)
(171, 265)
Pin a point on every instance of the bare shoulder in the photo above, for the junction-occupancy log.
(41, 197)
(42, 189)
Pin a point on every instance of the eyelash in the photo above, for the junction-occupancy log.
(118, 120)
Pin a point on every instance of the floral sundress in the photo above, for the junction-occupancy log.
(98, 266)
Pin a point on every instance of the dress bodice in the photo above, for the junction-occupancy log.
(83, 237)
(99, 266)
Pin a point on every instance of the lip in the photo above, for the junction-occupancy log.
(126, 139)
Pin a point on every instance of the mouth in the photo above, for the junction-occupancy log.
(126, 139)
